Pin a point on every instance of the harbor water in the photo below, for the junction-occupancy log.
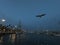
(29, 39)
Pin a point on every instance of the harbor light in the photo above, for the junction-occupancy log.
(3, 20)
(15, 26)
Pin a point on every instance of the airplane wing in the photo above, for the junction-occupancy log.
(41, 15)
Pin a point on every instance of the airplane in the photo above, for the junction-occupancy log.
(41, 15)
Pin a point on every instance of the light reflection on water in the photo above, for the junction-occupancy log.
(29, 39)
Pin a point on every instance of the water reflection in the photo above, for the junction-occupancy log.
(1, 39)
(11, 39)
(28, 39)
